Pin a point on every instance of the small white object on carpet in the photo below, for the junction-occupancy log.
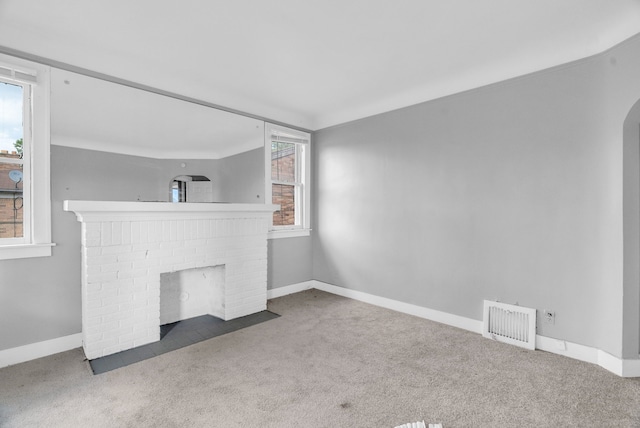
(419, 425)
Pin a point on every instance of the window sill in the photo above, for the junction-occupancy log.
(291, 233)
(23, 251)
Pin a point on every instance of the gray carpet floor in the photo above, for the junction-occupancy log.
(326, 362)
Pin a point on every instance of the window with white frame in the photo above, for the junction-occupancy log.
(14, 174)
(287, 158)
(25, 207)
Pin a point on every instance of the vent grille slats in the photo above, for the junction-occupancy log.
(510, 324)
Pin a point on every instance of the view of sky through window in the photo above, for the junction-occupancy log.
(10, 115)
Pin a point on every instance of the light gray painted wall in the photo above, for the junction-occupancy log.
(40, 297)
(242, 177)
(510, 192)
(290, 261)
(631, 195)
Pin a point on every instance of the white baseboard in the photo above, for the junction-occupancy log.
(611, 363)
(621, 367)
(568, 349)
(274, 293)
(21, 354)
(406, 308)
(618, 366)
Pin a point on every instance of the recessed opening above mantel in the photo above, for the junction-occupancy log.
(191, 188)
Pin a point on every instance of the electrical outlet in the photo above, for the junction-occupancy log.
(549, 317)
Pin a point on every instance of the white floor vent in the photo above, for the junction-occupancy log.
(510, 324)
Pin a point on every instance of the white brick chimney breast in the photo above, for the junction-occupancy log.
(126, 246)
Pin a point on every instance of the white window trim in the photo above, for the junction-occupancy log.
(304, 229)
(287, 233)
(39, 242)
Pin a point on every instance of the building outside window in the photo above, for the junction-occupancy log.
(285, 182)
(11, 196)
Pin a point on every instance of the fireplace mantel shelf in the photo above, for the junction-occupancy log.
(98, 210)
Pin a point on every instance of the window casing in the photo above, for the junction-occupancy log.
(287, 172)
(31, 191)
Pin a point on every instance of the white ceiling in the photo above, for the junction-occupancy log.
(314, 64)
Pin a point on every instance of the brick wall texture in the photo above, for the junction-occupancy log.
(10, 199)
(283, 169)
(122, 262)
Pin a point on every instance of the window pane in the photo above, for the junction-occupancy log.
(11, 212)
(283, 162)
(284, 195)
(11, 129)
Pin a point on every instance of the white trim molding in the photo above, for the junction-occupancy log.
(395, 305)
(274, 293)
(8, 252)
(406, 308)
(21, 354)
(567, 349)
(620, 367)
(288, 233)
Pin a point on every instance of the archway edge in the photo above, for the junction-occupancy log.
(631, 224)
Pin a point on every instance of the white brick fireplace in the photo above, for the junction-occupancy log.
(126, 246)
